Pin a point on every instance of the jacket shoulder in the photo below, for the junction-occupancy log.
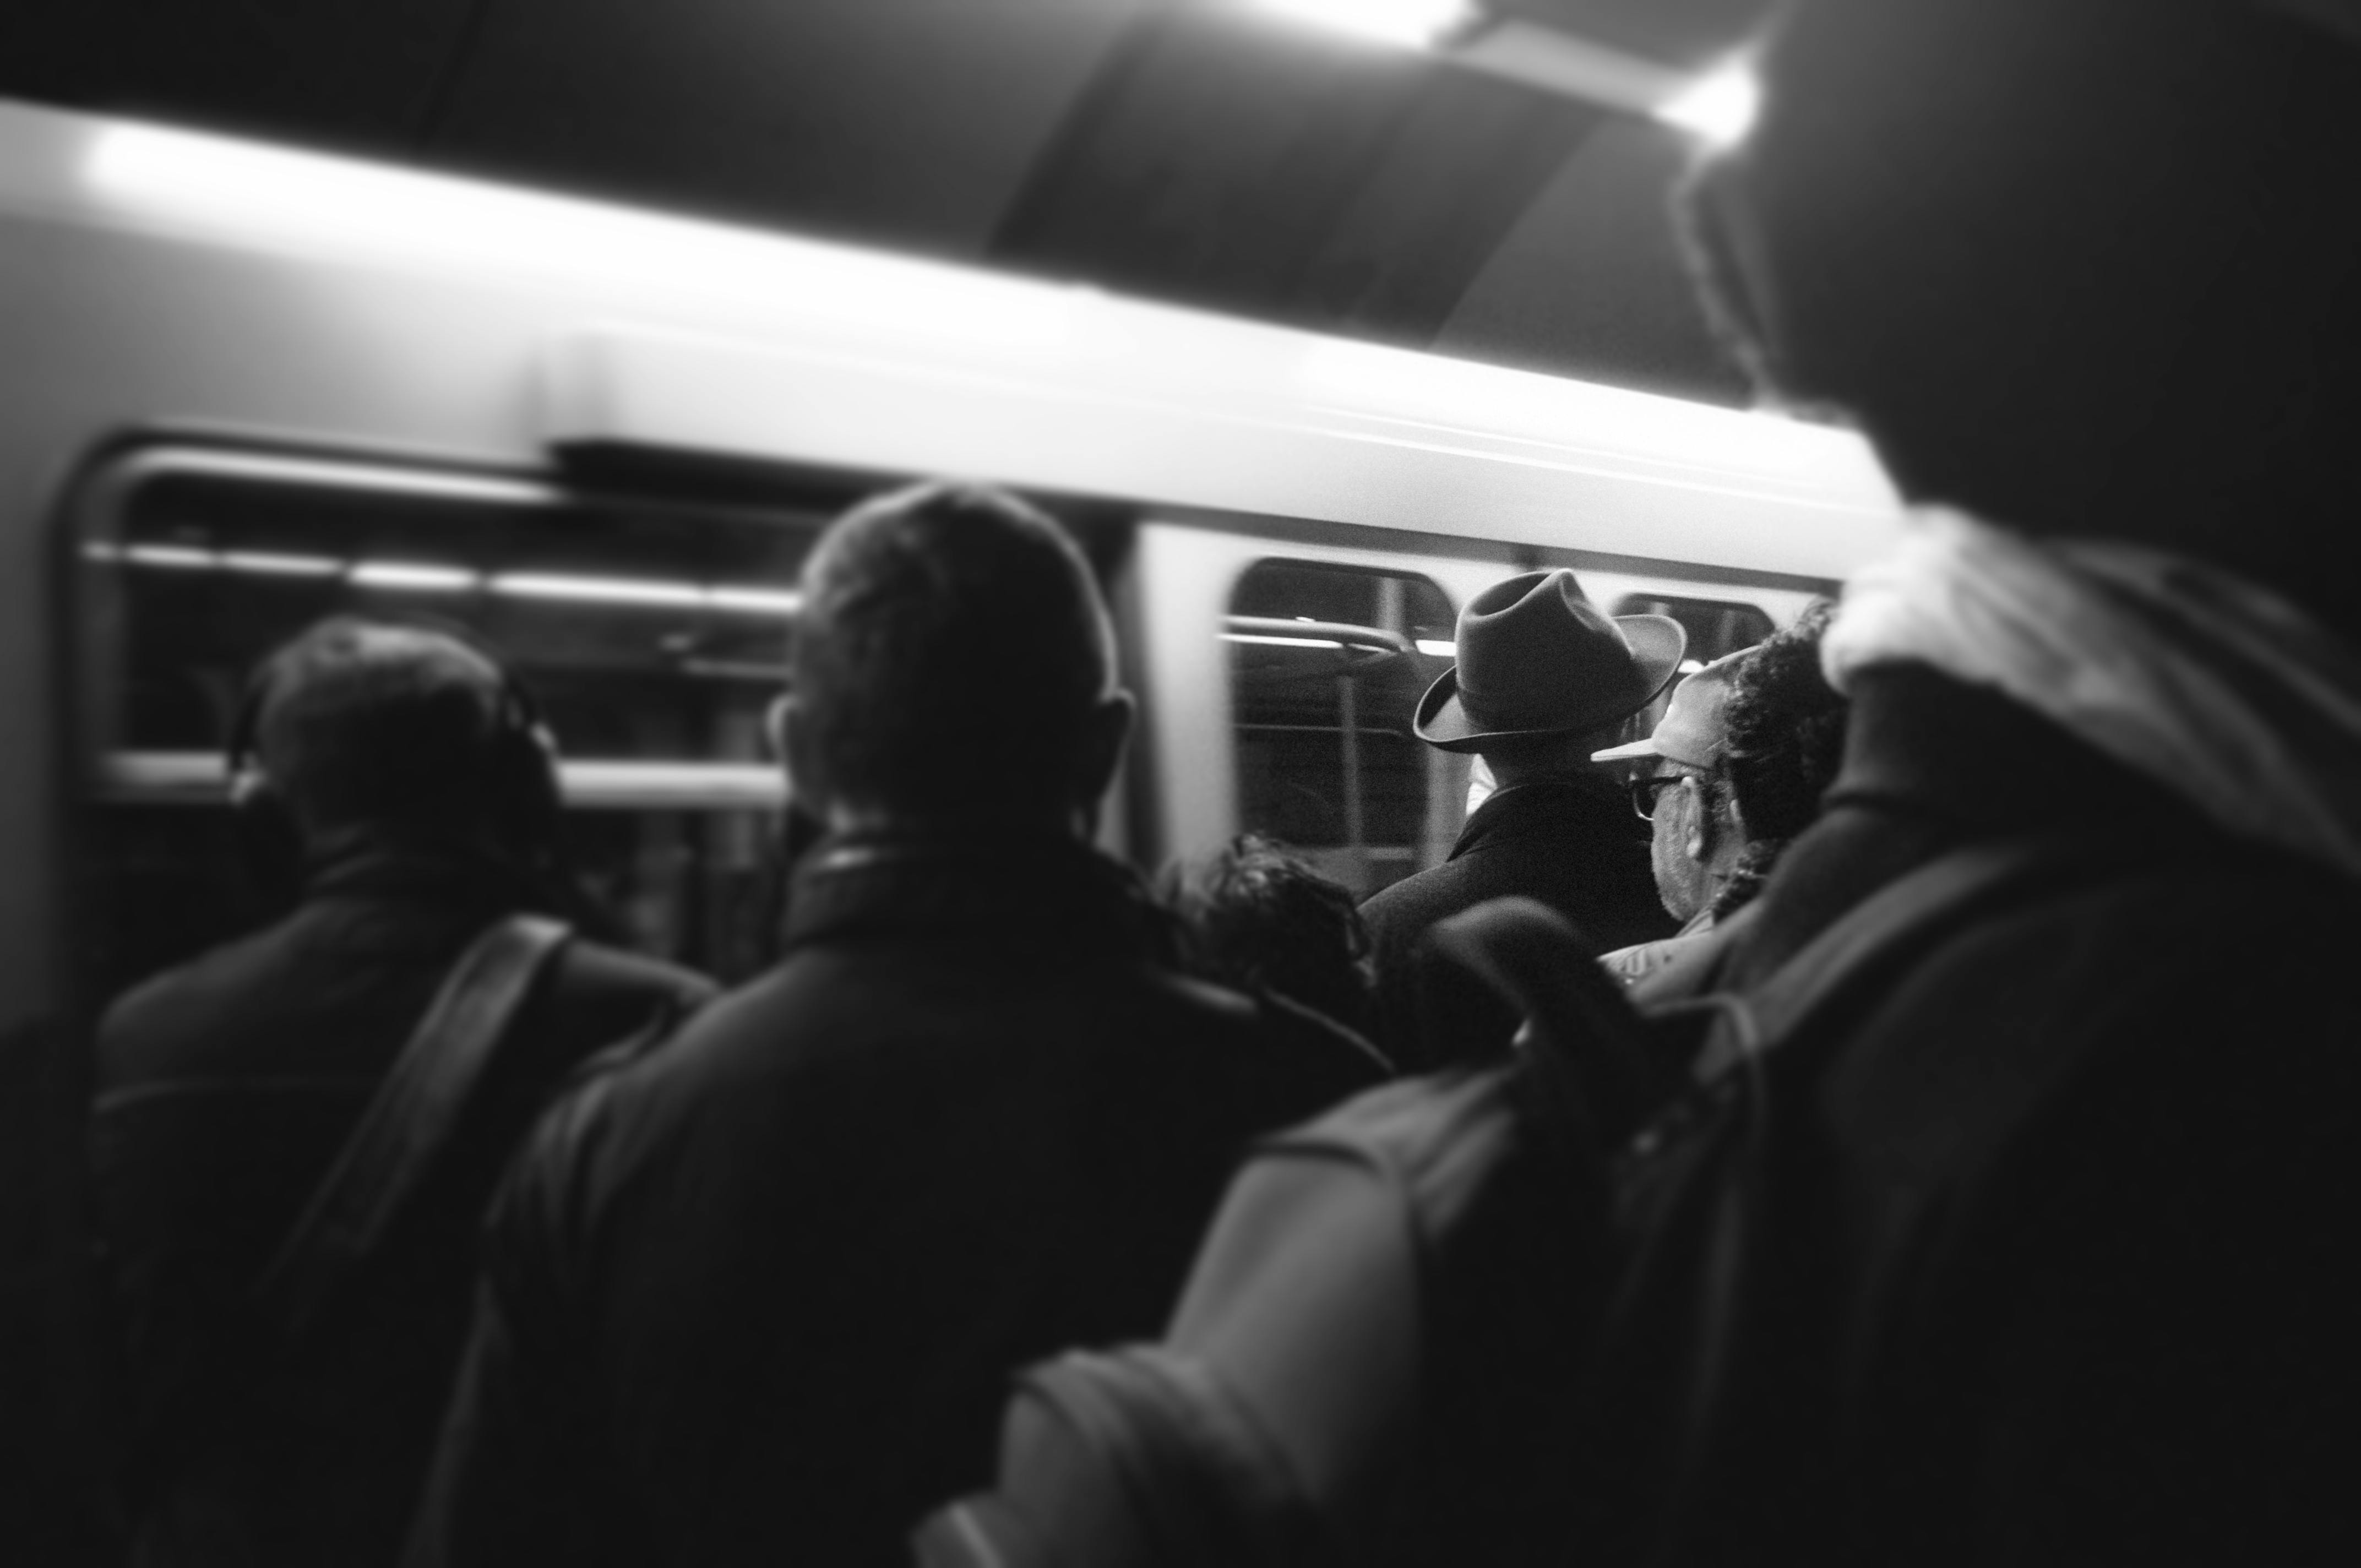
(595, 969)
(150, 1026)
(1396, 915)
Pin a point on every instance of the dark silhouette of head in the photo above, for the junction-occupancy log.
(953, 666)
(359, 724)
(1261, 919)
(2080, 266)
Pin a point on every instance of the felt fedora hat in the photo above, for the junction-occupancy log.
(1535, 658)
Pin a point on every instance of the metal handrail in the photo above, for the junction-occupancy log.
(1373, 639)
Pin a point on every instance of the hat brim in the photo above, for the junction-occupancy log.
(1658, 643)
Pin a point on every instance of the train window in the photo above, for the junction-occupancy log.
(1326, 664)
(1716, 626)
(652, 637)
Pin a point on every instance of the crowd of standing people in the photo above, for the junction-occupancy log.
(1930, 1130)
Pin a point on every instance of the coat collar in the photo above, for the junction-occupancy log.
(1932, 762)
(1549, 804)
(374, 866)
(1919, 741)
(1046, 891)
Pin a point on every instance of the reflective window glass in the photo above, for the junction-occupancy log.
(1716, 626)
(1326, 666)
(651, 636)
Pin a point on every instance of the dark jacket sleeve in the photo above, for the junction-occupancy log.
(519, 1475)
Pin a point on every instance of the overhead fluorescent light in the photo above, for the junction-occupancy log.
(1280, 641)
(596, 591)
(414, 575)
(273, 562)
(433, 577)
(176, 555)
(1439, 649)
(1719, 108)
(197, 778)
(1409, 23)
(756, 601)
(1569, 66)
(645, 590)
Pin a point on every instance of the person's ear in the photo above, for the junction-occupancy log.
(1105, 732)
(774, 730)
(793, 741)
(1699, 847)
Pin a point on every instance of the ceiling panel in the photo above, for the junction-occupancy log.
(1269, 171)
(1183, 150)
(1591, 277)
(910, 122)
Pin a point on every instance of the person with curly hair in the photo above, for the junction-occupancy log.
(1260, 919)
(1747, 748)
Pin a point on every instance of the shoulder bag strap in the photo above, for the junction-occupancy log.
(1890, 928)
(410, 1119)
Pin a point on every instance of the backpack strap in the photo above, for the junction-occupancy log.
(1849, 965)
(1899, 923)
(410, 1120)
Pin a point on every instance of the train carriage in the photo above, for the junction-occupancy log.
(248, 386)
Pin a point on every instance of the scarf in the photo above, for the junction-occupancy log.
(2214, 686)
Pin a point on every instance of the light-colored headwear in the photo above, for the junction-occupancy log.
(2216, 687)
(1696, 725)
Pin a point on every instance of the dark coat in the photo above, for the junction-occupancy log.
(755, 1299)
(225, 1088)
(2046, 1248)
(1571, 842)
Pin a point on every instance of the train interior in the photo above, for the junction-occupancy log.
(652, 634)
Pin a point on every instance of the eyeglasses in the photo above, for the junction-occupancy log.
(1645, 791)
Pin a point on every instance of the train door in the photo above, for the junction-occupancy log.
(1284, 673)
(654, 636)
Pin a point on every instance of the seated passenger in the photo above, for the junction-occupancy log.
(755, 1298)
(1542, 681)
(421, 795)
(1745, 750)
(1261, 920)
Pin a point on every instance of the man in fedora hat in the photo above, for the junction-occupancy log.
(1544, 679)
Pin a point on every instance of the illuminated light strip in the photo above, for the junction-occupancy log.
(199, 778)
(598, 590)
(416, 575)
(756, 601)
(1569, 66)
(1410, 24)
(1719, 108)
(1439, 649)
(1280, 641)
(434, 577)
(181, 556)
(272, 562)
(648, 591)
